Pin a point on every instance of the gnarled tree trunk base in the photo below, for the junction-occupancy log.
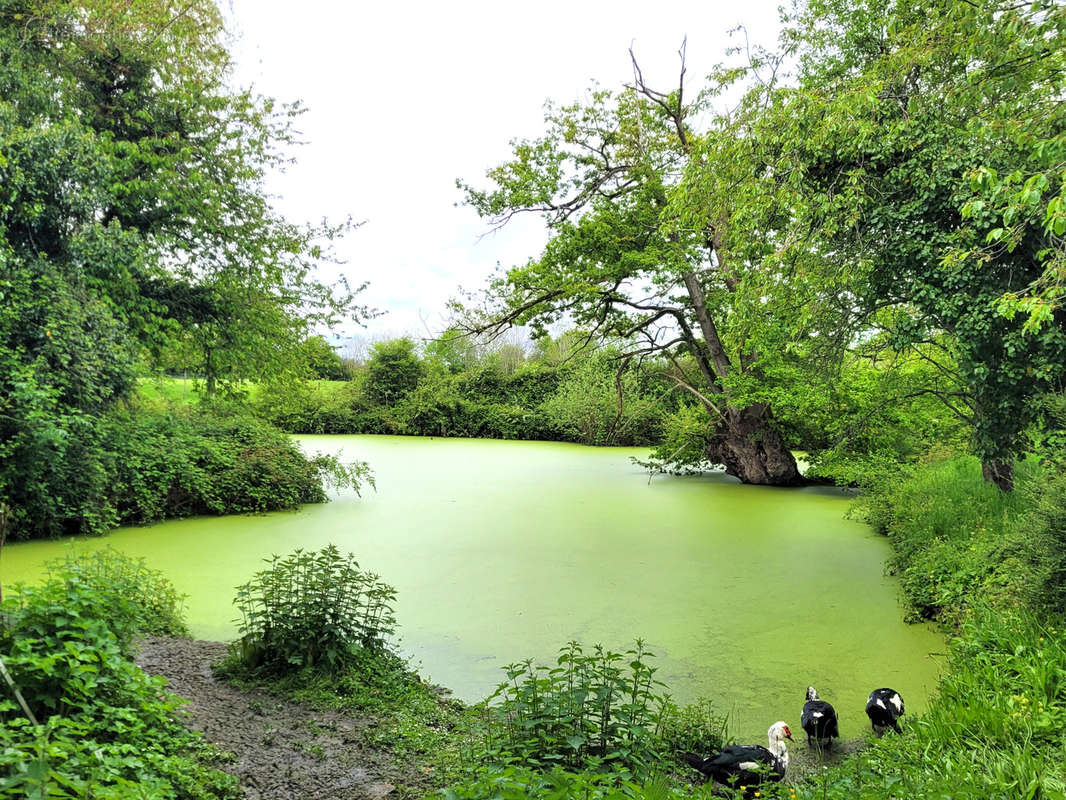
(750, 448)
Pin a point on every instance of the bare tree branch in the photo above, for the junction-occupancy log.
(676, 115)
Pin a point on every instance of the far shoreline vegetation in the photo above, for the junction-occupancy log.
(862, 258)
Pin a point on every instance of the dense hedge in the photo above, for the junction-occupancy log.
(571, 402)
(183, 463)
(160, 463)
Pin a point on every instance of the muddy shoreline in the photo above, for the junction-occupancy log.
(280, 750)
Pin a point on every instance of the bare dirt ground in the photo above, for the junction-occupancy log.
(282, 750)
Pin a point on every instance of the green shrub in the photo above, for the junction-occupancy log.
(433, 409)
(135, 598)
(683, 449)
(532, 384)
(502, 421)
(309, 406)
(155, 463)
(106, 729)
(589, 709)
(312, 609)
(585, 406)
(393, 371)
(215, 461)
(397, 393)
(484, 383)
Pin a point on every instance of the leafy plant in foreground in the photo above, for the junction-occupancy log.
(516, 783)
(591, 708)
(313, 609)
(128, 587)
(107, 730)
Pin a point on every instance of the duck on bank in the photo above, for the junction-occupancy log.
(747, 766)
(819, 720)
(884, 707)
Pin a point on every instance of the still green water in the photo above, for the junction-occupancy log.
(503, 550)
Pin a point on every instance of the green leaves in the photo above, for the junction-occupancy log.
(133, 227)
(922, 132)
(593, 709)
(106, 726)
(393, 371)
(312, 609)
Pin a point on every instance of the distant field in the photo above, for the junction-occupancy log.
(169, 391)
(188, 391)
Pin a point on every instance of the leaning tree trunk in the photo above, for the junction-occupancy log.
(750, 448)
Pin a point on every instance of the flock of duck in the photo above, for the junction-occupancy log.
(748, 766)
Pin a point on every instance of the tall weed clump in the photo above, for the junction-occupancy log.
(312, 609)
(589, 709)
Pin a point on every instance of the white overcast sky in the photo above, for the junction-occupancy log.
(403, 98)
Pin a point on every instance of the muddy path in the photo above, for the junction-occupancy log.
(282, 750)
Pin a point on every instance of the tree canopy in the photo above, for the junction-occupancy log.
(133, 220)
(893, 171)
(923, 135)
(661, 238)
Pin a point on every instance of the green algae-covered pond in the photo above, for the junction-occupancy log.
(503, 550)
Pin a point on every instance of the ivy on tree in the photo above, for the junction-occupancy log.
(903, 112)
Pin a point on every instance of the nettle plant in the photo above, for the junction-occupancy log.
(590, 708)
(312, 609)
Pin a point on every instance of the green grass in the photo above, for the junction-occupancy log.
(954, 536)
(173, 392)
(169, 392)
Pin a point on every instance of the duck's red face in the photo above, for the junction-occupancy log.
(788, 734)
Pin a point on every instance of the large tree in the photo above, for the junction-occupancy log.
(673, 241)
(132, 216)
(903, 110)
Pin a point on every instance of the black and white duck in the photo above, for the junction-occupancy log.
(819, 720)
(884, 708)
(747, 766)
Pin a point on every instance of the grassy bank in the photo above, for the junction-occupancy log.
(957, 540)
